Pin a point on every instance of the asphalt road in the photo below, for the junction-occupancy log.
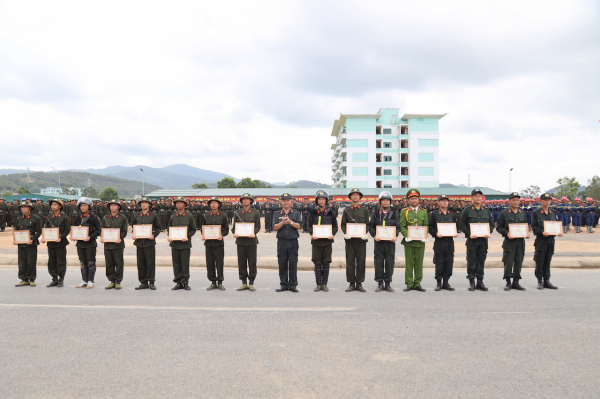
(74, 343)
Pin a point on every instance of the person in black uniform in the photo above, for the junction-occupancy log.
(443, 247)
(356, 247)
(247, 245)
(384, 251)
(215, 248)
(286, 223)
(86, 249)
(322, 247)
(181, 249)
(146, 247)
(57, 250)
(544, 243)
(27, 253)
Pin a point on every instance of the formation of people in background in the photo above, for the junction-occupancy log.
(287, 218)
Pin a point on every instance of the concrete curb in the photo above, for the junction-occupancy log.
(304, 263)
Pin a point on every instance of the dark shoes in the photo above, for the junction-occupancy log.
(360, 288)
(187, 287)
(220, 286)
(480, 285)
(143, 286)
(516, 285)
(152, 286)
(379, 286)
(324, 288)
(420, 289)
(472, 284)
(351, 288)
(59, 284)
(439, 285)
(548, 285)
(53, 284)
(213, 286)
(388, 287)
(177, 287)
(508, 285)
(446, 286)
(407, 289)
(540, 284)
(293, 289)
(318, 288)
(281, 289)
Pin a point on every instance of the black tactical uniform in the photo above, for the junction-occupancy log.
(287, 248)
(215, 249)
(113, 252)
(443, 247)
(544, 246)
(356, 247)
(247, 246)
(146, 248)
(27, 253)
(514, 249)
(180, 250)
(57, 251)
(322, 247)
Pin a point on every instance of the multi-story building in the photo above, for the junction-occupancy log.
(58, 191)
(384, 150)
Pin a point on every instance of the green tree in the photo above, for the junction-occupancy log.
(593, 188)
(90, 192)
(199, 185)
(291, 186)
(567, 187)
(68, 189)
(23, 190)
(108, 194)
(7, 194)
(531, 191)
(226, 182)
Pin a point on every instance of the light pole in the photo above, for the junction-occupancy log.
(143, 183)
(509, 179)
(56, 170)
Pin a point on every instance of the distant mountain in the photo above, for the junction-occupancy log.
(308, 184)
(126, 188)
(555, 189)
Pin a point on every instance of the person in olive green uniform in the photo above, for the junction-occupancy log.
(544, 242)
(146, 247)
(113, 251)
(356, 247)
(385, 250)
(215, 248)
(514, 248)
(180, 249)
(322, 247)
(57, 250)
(86, 249)
(477, 247)
(246, 246)
(414, 250)
(27, 253)
(3, 214)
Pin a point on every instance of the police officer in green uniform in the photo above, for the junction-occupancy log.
(57, 250)
(113, 251)
(443, 247)
(3, 214)
(356, 247)
(385, 250)
(246, 246)
(215, 248)
(322, 247)
(181, 249)
(27, 253)
(544, 242)
(514, 248)
(146, 247)
(286, 223)
(414, 250)
(477, 247)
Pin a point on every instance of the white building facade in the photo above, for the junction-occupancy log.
(384, 150)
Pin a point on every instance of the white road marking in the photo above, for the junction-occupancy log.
(215, 309)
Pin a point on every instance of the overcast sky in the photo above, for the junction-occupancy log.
(251, 88)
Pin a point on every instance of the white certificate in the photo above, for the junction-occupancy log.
(447, 229)
(50, 234)
(212, 232)
(21, 236)
(552, 228)
(244, 229)
(79, 232)
(177, 233)
(386, 232)
(111, 235)
(518, 230)
(417, 232)
(357, 230)
(322, 231)
(480, 229)
(142, 231)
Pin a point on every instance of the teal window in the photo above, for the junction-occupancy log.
(387, 159)
(360, 157)
(425, 157)
(387, 186)
(360, 171)
(357, 143)
(387, 145)
(387, 131)
(387, 172)
(425, 171)
(428, 143)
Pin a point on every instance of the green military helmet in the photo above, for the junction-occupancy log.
(355, 190)
(321, 194)
(178, 199)
(24, 203)
(214, 199)
(144, 199)
(412, 192)
(114, 202)
(246, 195)
(51, 200)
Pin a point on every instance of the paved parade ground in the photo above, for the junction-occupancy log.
(74, 343)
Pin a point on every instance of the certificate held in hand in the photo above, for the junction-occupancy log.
(244, 229)
(178, 233)
(142, 231)
(21, 236)
(447, 229)
(79, 232)
(322, 231)
(552, 228)
(211, 232)
(386, 233)
(50, 234)
(480, 229)
(356, 230)
(518, 230)
(417, 232)
(111, 235)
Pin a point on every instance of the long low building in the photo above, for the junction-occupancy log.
(338, 194)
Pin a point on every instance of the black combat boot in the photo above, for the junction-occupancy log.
(508, 285)
(516, 285)
(439, 285)
(471, 284)
(420, 289)
(360, 288)
(351, 288)
(408, 288)
(547, 284)
(152, 286)
(379, 286)
(540, 284)
(445, 285)
(388, 287)
(480, 285)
